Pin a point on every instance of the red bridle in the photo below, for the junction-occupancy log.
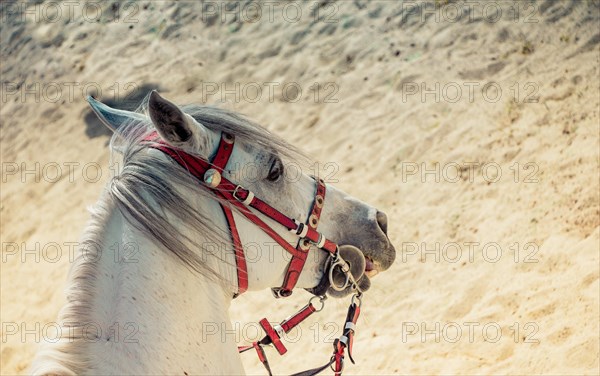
(210, 174)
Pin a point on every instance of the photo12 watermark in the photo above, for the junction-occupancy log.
(268, 92)
(53, 172)
(64, 91)
(70, 11)
(469, 92)
(469, 252)
(55, 251)
(69, 332)
(469, 11)
(317, 332)
(468, 172)
(468, 332)
(269, 11)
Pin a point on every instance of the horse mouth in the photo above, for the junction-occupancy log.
(371, 268)
(371, 264)
(375, 265)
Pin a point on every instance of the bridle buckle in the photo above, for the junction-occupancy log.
(235, 191)
(248, 198)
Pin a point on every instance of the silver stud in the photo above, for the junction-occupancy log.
(228, 138)
(212, 178)
(319, 201)
(305, 244)
(313, 221)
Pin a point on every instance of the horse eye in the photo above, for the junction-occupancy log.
(275, 171)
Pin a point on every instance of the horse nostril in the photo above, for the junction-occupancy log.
(382, 221)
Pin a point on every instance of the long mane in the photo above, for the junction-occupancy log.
(146, 190)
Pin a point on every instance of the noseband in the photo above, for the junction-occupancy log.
(210, 174)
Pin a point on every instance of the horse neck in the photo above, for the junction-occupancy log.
(141, 309)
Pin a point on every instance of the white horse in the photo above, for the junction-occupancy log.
(156, 262)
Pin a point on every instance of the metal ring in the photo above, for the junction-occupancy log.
(332, 282)
(357, 297)
(321, 300)
(333, 363)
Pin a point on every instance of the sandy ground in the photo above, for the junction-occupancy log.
(475, 127)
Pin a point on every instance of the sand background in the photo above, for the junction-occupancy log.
(513, 87)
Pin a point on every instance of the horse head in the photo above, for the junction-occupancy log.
(264, 166)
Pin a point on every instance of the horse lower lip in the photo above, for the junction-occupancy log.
(368, 265)
(372, 273)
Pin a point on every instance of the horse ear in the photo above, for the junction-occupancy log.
(112, 117)
(174, 126)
